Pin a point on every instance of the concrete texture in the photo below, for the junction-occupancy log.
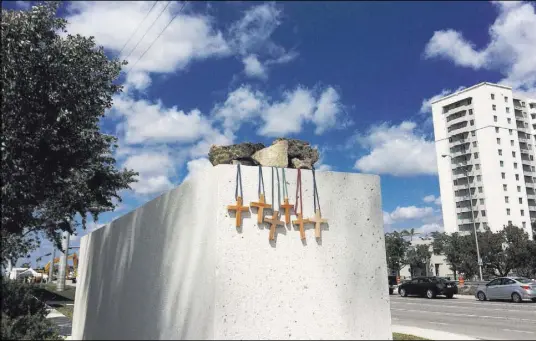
(178, 267)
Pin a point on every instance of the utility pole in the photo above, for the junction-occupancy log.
(51, 269)
(466, 173)
(60, 285)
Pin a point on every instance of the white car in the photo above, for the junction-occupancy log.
(516, 289)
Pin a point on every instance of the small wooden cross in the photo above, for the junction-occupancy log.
(261, 205)
(238, 208)
(287, 208)
(317, 220)
(300, 222)
(273, 221)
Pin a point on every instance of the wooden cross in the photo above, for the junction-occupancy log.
(261, 205)
(287, 208)
(300, 222)
(317, 220)
(273, 221)
(238, 208)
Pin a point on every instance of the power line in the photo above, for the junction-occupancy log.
(152, 24)
(144, 52)
(137, 28)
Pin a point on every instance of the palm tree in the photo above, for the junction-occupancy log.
(409, 233)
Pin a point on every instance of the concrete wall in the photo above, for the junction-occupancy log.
(178, 268)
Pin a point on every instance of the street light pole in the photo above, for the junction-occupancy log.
(466, 173)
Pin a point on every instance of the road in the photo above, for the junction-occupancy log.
(483, 320)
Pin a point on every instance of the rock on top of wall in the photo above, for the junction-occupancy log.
(284, 153)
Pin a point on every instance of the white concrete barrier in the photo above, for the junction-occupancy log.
(178, 268)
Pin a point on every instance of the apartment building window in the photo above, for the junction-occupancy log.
(524, 224)
(473, 133)
(483, 212)
(472, 122)
(511, 142)
(503, 175)
(515, 165)
(501, 163)
(474, 143)
(505, 187)
(477, 166)
(470, 111)
(522, 212)
(476, 155)
(494, 107)
(492, 96)
(506, 200)
(531, 158)
(508, 213)
(517, 177)
(507, 110)
(498, 140)
(521, 200)
(509, 222)
(497, 130)
(509, 121)
(505, 99)
(519, 188)
(513, 154)
(479, 178)
(500, 151)
(481, 201)
(479, 189)
(494, 118)
(532, 168)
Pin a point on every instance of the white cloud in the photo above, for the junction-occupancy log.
(251, 37)
(197, 166)
(202, 147)
(429, 228)
(189, 37)
(397, 150)
(327, 110)
(426, 106)
(410, 213)
(240, 106)
(279, 118)
(253, 68)
(432, 198)
(155, 169)
(511, 48)
(145, 121)
(286, 117)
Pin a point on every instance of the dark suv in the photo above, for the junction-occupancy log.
(429, 287)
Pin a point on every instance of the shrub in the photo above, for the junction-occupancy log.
(24, 316)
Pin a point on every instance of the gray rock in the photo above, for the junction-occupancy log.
(227, 154)
(300, 164)
(302, 151)
(274, 156)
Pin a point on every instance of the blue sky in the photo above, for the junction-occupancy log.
(353, 78)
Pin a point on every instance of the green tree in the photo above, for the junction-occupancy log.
(409, 233)
(418, 257)
(56, 164)
(23, 316)
(458, 250)
(395, 247)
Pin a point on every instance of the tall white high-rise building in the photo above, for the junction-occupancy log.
(486, 147)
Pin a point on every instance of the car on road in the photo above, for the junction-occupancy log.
(429, 287)
(516, 289)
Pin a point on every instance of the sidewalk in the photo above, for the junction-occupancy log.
(63, 323)
(429, 333)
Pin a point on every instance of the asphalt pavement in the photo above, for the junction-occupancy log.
(490, 320)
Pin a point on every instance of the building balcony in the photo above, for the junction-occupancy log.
(532, 208)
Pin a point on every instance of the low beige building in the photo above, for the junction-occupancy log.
(438, 264)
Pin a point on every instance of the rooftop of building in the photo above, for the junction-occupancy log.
(471, 88)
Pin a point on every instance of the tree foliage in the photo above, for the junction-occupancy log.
(396, 247)
(504, 252)
(418, 257)
(24, 316)
(56, 163)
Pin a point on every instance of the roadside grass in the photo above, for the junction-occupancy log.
(62, 301)
(400, 336)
